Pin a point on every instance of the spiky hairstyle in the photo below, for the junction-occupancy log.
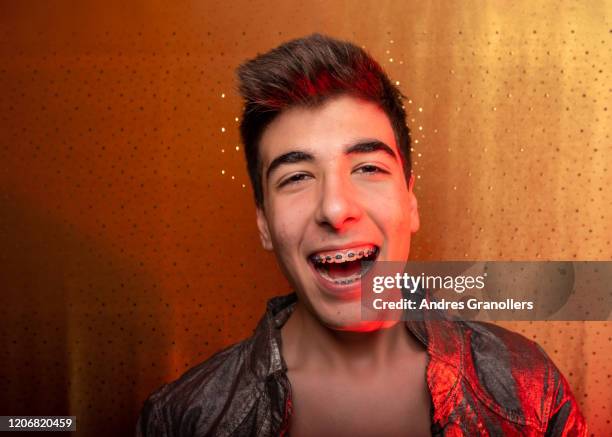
(306, 72)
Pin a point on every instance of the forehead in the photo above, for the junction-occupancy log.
(325, 129)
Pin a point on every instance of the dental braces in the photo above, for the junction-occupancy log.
(340, 258)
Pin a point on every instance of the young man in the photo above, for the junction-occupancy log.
(328, 153)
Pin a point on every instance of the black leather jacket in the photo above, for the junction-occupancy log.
(483, 380)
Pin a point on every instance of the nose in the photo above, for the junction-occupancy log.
(338, 204)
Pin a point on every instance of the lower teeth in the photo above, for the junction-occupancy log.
(344, 281)
(366, 264)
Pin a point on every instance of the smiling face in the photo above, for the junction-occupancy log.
(334, 192)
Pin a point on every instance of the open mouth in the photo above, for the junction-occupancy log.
(344, 266)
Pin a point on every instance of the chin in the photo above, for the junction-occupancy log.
(363, 326)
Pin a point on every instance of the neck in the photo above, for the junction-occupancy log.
(307, 343)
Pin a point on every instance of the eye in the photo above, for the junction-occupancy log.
(370, 169)
(293, 179)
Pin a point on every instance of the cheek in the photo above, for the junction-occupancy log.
(289, 226)
(404, 216)
(393, 204)
(284, 235)
(401, 228)
(395, 217)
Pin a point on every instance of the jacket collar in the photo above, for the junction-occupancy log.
(443, 339)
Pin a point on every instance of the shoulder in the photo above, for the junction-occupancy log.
(513, 375)
(508, 349)
(195, 403)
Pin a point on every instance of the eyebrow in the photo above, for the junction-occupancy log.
(288, 158)
(368, 146)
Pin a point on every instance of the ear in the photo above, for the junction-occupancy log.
(413, 207)
(264, 231)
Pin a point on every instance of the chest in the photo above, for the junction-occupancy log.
(388, 404)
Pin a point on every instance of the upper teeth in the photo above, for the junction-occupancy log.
(343, 256)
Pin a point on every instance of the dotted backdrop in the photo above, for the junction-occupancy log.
(128, 244)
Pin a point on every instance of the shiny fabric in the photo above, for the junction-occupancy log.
(484, 381)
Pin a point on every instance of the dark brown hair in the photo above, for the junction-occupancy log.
(306, 72)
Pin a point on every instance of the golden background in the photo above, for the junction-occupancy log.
(127, 234)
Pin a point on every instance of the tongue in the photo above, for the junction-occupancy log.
(344, 270)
